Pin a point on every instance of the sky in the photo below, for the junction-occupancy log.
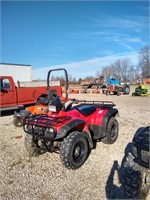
(81, 36)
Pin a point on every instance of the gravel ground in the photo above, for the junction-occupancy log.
(44, 177)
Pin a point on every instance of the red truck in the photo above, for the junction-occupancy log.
(12, 97)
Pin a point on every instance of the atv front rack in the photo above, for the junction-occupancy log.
(42, 126)
(46, 121)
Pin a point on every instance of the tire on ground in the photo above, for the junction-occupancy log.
(126, 89)
(112, 131)
(74, 150)
(133, 179)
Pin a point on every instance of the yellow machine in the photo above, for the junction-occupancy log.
(140, 90)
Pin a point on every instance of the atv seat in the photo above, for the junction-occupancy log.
(86, 109)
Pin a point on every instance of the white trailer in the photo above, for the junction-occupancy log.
(19, 72)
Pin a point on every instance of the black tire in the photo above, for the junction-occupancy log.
(17, 121)
(133, 179)
(31, 146)
(74, 150)
(126, 89)
(112, 131)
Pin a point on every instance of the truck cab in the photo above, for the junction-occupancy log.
(13, 97)
(7, 91)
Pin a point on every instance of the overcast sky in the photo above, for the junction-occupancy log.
(82, 36)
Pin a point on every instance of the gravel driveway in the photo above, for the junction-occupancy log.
(44, 177)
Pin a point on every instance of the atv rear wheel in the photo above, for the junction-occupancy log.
(31, 145)
(112, 131)
(74, 150)
(134, 179)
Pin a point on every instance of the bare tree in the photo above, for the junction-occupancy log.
(79, 81)
(122, 68)
(144, 62)
(133, 73)
(119, 70)
(89, 78)
(106, 71)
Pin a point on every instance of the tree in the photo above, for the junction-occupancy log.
(144, 62)
(133, 73)
(79, 81)
(122, 68)
(89, 78)
(119, 70)
(107, 71)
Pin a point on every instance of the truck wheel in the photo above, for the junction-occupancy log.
(134, 179)
(17, 121)
(74, 150)
(112, 131)
(31, 146)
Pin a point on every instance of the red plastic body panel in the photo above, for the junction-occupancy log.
(93, 119)
(12, 96)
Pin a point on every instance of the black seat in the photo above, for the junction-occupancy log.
(86, 109)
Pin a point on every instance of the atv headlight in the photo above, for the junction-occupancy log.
(52, 108)
(50, 133)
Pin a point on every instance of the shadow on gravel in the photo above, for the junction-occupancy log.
(113, 191)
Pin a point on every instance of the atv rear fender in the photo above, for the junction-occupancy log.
(101, 131)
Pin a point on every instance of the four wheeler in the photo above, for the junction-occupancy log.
(72, 129)
(41, 107)
(140, 91)
(136, 166)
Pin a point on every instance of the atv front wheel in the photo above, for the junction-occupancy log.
(134, 179)
(31, 145)
(74, 150)
(112, 131)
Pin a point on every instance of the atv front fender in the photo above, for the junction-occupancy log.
(77, 125)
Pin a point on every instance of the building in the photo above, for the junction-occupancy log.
(19, 72)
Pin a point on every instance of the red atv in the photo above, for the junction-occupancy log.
(71, 129)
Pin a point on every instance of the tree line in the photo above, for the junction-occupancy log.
(122, 69)
(125, 71)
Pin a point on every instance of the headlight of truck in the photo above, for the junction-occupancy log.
(52, 108)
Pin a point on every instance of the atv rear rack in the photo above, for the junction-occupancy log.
(101, 104)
